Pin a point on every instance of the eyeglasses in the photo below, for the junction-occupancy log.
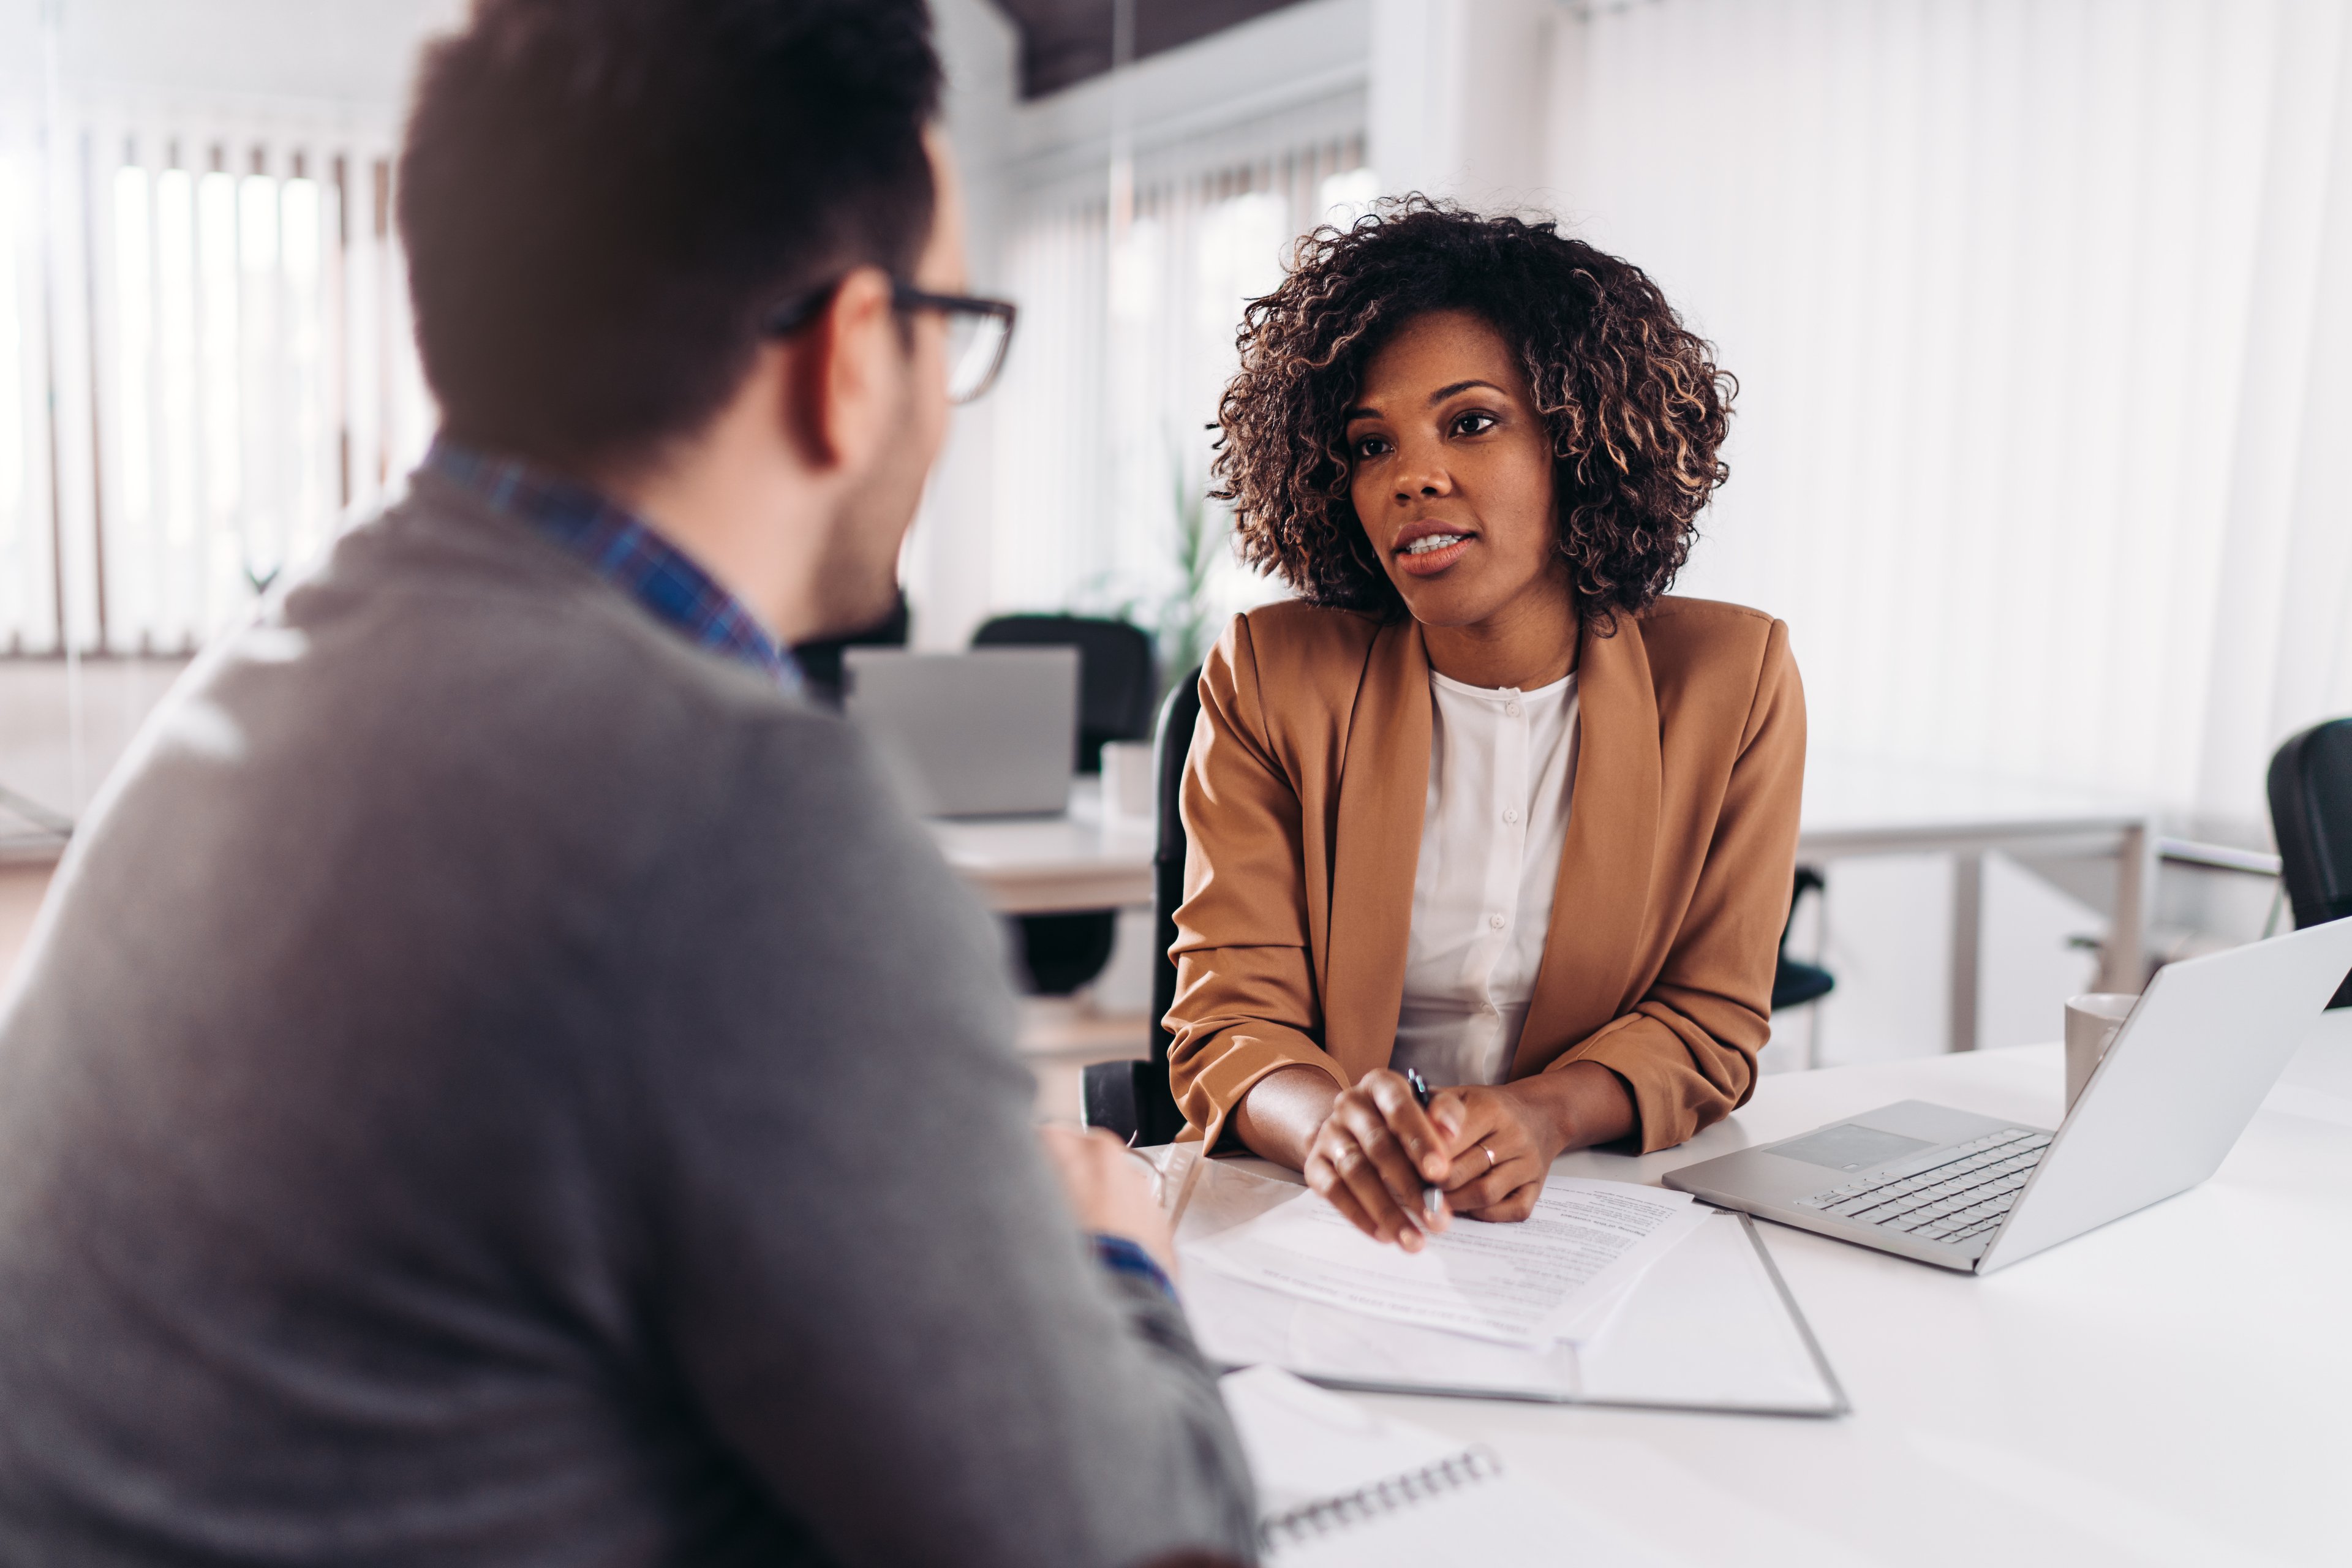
(979, 331)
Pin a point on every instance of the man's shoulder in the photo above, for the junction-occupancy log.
(476, 618)
(450, 664)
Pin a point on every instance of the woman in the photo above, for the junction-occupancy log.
(1481, 800)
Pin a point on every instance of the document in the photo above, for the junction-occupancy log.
(1525, 1284)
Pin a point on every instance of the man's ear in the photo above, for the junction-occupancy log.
(845, 377)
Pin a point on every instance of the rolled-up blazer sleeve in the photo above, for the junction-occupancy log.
(1245, 984)
(1687, 1047)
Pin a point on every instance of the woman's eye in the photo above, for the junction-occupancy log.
(1473, 424)
(1370, 446)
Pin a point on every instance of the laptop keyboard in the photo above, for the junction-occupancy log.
(1963, 1194)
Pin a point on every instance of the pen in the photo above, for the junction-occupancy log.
(1432, 1201)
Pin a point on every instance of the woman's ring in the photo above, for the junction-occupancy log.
(1490, 1155)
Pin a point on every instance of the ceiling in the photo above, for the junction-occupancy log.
(1068, 41)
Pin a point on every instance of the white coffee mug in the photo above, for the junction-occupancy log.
(2092, 1023)
(1130, 784)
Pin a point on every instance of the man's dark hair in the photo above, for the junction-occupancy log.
(602, 199)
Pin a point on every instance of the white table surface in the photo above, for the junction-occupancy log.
(2173, 1388)
(1046, 865)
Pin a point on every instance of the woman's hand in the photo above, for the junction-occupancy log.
(1512, 1133)
(1375, 1149)
(1506, 1150)
(1494, 1146)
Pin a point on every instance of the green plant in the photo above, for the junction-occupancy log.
(1186, 615)
(1181, 617)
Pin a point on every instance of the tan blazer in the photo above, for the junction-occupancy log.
(1303, 800)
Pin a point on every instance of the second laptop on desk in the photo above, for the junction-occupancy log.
(988, 733)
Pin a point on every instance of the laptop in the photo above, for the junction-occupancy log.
(2177, 1087)
(993, 732)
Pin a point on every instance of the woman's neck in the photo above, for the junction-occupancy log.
(1529, 642)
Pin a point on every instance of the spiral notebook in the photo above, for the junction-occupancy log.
(1338, 1484)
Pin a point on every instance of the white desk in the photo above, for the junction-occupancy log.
(2174, 1388)
(1048, 865)
(1856, 807)
(1040, 865)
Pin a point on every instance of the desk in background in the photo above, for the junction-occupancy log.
(1078, 861)
(1048, 865)
(1855, 807)
(2175, 1388)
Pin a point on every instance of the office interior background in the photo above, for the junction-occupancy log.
(2037, 307)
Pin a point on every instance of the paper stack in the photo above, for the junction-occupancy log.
(1611, 1293)
(1557, 1275)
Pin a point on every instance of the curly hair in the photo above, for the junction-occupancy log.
(1635, 404)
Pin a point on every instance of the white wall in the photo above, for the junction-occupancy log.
(1191, 98)
(946, 564)
(358, 54)
(1459, 99)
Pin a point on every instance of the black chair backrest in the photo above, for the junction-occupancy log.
(1116, 673)
(1178, 716)
(820, 662)
(2311, 814)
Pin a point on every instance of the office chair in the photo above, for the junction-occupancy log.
(820, 662)
(1115, 675)
(2310, 816)
(1132, 1099)
(1795, 982)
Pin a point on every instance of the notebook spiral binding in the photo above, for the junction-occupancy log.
(1327, 1515)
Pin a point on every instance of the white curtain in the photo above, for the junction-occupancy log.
(2040, 310)
(1101, 434)
(206, 367)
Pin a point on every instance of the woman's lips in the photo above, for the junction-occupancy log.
(1430, 562)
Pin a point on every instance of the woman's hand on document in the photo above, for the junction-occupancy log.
(1513, 1132)
(1368, 1149)
(1110, 1191)
(1506, 1149)
(1375, 1151)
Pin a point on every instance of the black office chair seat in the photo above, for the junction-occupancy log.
(2310, 816)
(1795, 982)
(1060, 953)
(1132, 1099)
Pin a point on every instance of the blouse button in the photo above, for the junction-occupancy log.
(1512, 709)
(1495, 920)
(1510, 814)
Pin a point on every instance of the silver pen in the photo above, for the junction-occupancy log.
(1432, 1201)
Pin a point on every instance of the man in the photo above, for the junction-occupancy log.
(497, 1082)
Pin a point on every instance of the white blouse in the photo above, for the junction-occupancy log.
(1502, 765)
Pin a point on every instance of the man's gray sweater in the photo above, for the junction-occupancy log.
(496, 1084)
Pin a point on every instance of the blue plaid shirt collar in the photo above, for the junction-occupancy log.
(620, 547)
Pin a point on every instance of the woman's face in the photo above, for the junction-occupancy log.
(1452, 472)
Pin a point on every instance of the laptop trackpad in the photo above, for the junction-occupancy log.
(1849, 1146)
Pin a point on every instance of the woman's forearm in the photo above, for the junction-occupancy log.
(1280, 1115)
(1585, 1102)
